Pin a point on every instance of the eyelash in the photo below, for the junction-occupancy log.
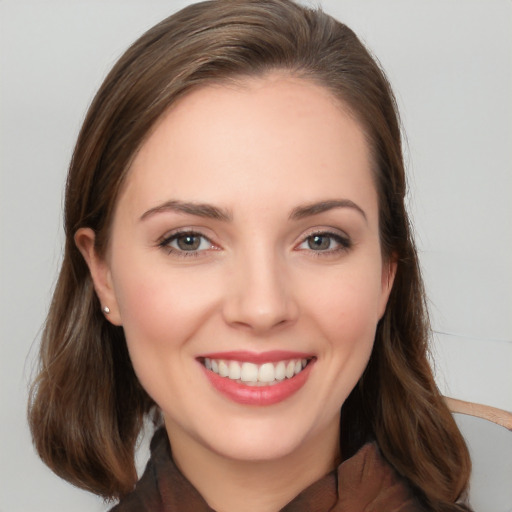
(165, 243)
(344, 243)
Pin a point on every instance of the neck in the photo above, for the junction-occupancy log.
(230, 485)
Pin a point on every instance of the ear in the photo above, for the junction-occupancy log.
(388, 278)
(100, 273)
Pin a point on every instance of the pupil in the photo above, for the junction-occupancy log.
(188, 242)
(319, 242)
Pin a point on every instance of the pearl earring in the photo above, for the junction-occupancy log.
(106, 310)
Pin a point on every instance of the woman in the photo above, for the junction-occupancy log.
(245, 315)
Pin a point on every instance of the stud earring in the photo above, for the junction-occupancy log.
(106, 310)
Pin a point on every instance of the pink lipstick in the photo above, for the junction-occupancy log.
(257, 378)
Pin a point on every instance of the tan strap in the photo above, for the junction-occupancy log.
(499, 416)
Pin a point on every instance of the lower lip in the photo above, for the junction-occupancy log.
(258, 395)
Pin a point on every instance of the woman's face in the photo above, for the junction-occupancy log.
(245, 266)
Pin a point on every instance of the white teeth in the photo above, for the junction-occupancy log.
(266, 373)
(223, 369)
(280, 370)
(234, 370)
(253, 374)
(249, 372)
(290, 369)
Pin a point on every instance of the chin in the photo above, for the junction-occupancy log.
(254, 446)
(267, 439)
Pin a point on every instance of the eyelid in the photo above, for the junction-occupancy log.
(324, 230)
(343, 239)
(165, 241)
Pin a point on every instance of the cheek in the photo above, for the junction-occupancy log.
(346, 318)
(349, 327)
(348, 304)
(345, 315)
(160, 310)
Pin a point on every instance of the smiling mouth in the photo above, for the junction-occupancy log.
(251, 374)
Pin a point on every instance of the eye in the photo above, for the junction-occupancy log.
(186, 242)
(325, 242)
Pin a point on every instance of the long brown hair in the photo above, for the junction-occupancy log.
(87, 407)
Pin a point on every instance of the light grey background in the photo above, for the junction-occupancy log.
(450, 62)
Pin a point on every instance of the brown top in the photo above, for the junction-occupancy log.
(363, 483)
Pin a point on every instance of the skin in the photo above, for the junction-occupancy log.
(257, 150)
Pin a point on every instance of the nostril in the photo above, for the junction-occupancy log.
(259, 315)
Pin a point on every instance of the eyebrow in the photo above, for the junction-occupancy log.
(308, 210)
(198, 209)
(213, 212)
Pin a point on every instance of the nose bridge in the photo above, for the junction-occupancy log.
(260, 293)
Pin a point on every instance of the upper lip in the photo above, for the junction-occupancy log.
(271, 356)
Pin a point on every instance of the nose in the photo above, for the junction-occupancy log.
(260, 294)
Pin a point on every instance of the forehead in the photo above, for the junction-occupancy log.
(258, 135)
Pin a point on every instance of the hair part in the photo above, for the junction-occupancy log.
(87, 406)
